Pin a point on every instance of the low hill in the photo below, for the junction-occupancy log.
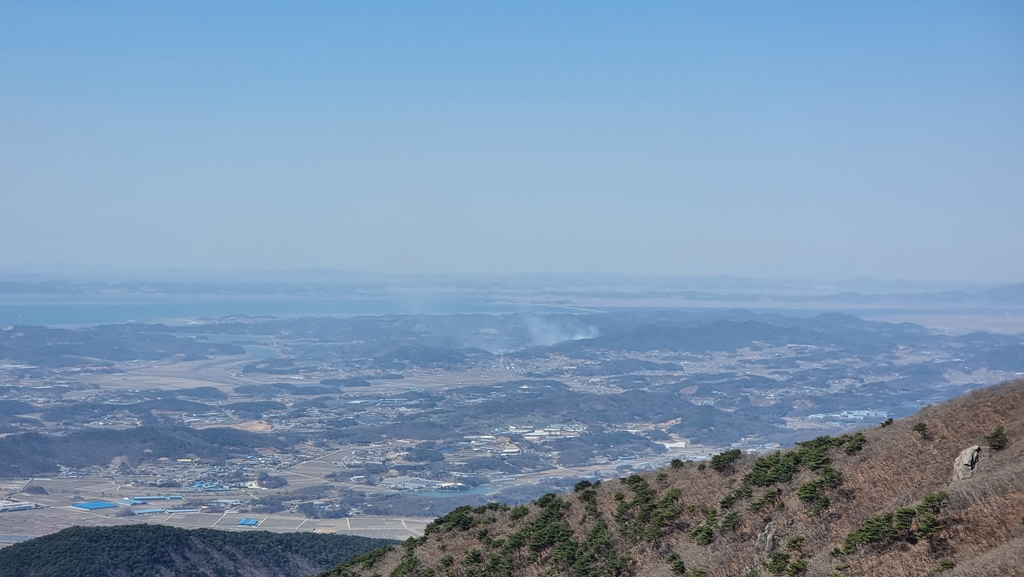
(32, 454)
(887, 500)
(159, 551)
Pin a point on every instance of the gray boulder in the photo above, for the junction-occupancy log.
(965, 462)
(766, 538)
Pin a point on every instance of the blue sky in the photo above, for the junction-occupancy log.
(781, 139)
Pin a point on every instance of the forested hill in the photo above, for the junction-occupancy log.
(159, 551)
(938, 493)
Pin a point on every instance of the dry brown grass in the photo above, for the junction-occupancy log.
(896, 468)
(251, 426)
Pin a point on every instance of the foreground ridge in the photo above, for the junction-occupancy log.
(939, 492)
(156, 550)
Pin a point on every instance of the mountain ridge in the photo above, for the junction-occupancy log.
(881, 501)
(161, 551)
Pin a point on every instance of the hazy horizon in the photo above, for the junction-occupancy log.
(327, 275)
(797, 141)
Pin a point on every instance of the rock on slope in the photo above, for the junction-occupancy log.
(159, 551)
(883, 501)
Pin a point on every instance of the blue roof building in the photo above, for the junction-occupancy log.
(93, 505)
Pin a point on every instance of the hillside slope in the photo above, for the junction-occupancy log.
(158, 551)
(883, 501)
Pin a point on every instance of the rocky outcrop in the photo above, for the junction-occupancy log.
(966, 461)
(766, 538)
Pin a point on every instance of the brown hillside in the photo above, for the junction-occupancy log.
(978, 524)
